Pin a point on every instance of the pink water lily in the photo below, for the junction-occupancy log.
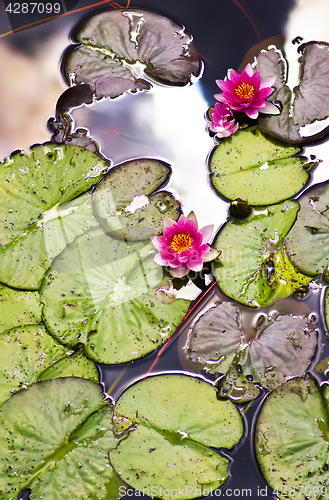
(183, 247)
(246, 93)
(223, 123)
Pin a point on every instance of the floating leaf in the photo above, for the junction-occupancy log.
(307, 103)
(58, 446)
(307, 242)
(29, 353)
(107, 294)
(246, 245)
(251, 165)
(292, 434)
(280, 349)
(124, 203)
(18, 308)
(112, 42)
(35, 187)
(170, 424)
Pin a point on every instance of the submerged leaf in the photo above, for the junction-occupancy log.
(106, 293)
(113, 42)
(58, 446)
(170, 424)
(281, 349)
(18, 308)
(292, 434)
(126, 203)
(251, 165)
(307, 242)
(307, 103)
(246, 245)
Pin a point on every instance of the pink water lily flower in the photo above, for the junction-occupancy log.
(246, 93)
(183, 247)
(223, 123)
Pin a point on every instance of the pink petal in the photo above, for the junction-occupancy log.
(158, 259)
(206, 232)
(249, 70)
(268, 82)
(195, 265)
(192, 217)
(270, 109)
(251, 112)
(211, 255)
(167, 222)
(158, 242)
(179, 272)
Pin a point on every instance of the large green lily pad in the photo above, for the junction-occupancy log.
(18, 308)
(251, 165)
(29, 353)
(55, 439)
(113, 41)
(246, 246)
(309, 100)
(170, 424)
(125, 202)
(292, 435)
(308, 240)
(36, 186)
(280, 348)
(111, 296)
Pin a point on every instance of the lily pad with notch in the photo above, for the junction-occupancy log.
(306, 105)
(112, 42)
(171, 425)
(110, 295)
(18, 308)
(250, 165)
(246, 246)
(127, 203)
(59, 447)
(291, 439)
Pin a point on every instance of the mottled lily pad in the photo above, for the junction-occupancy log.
(251, 165)
(307, 242)
(18, 308)
(34, 221)
(277, 350)
(29, 353)
(170, 424)
(246, 246)
(292, 434)
(114, 41)
(58, 445)
(125, 202)
(307, 103)
(110, 295)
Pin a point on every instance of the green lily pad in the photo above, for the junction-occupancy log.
(246, 246)
(170, 423)
(307, 242)
(110, 295)
(125, 202)
(280, 348)
(114, 38)
(307, 103)
(18, 308)
(251, 165)
(29, 353)
(35, 187)
(58, 446)
(292, 434)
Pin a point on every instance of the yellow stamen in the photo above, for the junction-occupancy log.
(244, 91)
(180, 242)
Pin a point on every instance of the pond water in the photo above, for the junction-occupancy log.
(168, 124)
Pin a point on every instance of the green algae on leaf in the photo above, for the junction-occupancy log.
(113, 42)
(251, 165)
(291, 440)
(28, 354)
(58, 445)
(307, 103)
(170, 424)
(18, 308)
(108, 294)
(246, 246)
(126, 203)
(273, 352)
(307, 242)
(36, 222)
